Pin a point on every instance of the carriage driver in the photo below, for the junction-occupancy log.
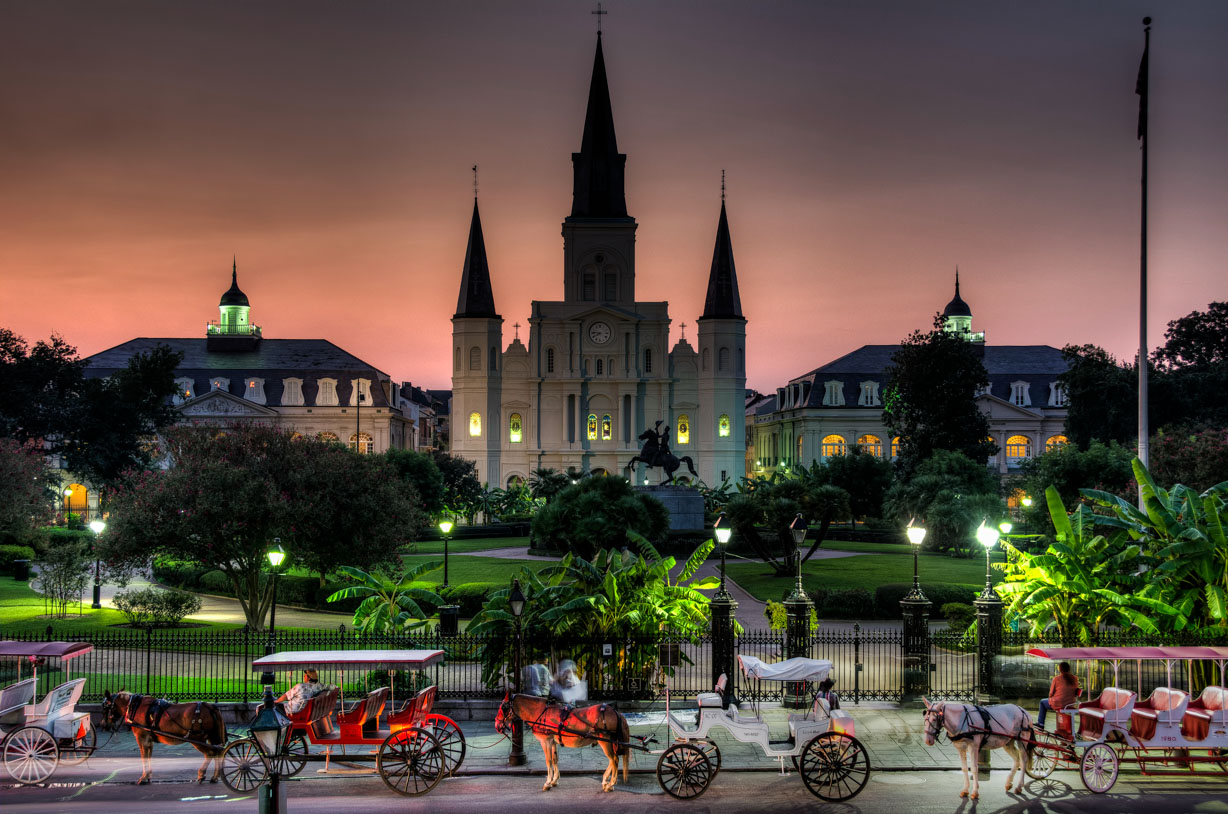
(1063, 691)
(295, 698)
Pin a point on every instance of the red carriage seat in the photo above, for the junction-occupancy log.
(1113, 707)
(414, 711)
(1165, 706)
(1206, 709)
(363, 717)
(317, 715)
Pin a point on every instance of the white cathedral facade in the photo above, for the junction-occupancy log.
(598, 370)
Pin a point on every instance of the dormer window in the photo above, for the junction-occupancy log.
(1020, 395)
(360, 387)
(833, 393)
(326, 395)
(983, 391)
(292, 392)
(219, 384)
(184, 390)
(1057, 395)
(869, 395)
(254, 391)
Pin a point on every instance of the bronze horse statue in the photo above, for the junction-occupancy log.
(555, 724)
(198, 723)
(656, 453)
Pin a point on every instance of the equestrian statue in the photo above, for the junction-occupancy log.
(656, 454)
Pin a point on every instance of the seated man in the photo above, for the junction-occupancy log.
(295, 698)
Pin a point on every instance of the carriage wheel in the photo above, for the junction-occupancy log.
(293, 756)
(30, 755)
(1045, 754)
(243, 766)
(411, 762)
(684, 771)
(80, 748)
(835, 766)
(1099, 768)
(713, 753)
(450, 738)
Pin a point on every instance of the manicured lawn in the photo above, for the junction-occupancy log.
(463, 546)
(477, 569)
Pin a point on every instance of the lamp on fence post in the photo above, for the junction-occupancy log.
(269, 731)
(516, 603)
(916, 609)
(97, 526)
(721, 608)
(449, 614)
(797, 627)
(988, 619)
(275, 555)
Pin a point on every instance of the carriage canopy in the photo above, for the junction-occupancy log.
(347, 660)
(1195, 653)
(795, 669)
(59, 650)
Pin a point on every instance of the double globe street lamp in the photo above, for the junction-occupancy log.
(275, 555)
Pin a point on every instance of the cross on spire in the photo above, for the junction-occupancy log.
(475, 181)
(722, 186)
(599, 14)
(517, 327)
(683, 327)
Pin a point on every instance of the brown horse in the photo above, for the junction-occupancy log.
(555, 724)
(199, 724)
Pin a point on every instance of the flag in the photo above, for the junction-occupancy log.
(1140, 87)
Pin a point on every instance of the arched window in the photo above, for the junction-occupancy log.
(1018, 447)
(76, 499)
(549, 360)
(833, 445)
(515, 428)
(514, 480)
(475, 358)
(592, 427)
(798, 459)
(475, 425)
(590, 287)
(684, 430)
(1056, 442)
(871, 444)
(600, 367)
(494, 359)
(330, 437)
(647, 360)
(895, 447)
(722, 359)
(607, 428)
(362, 442)
(722, 426)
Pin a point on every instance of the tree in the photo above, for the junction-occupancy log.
(545, 483)
(774, 503)
(390, 602)
(1102, 396)
(461, 487)
(1069, 470)
(930, 398)
(1198, 460)
(418, 470)
(26, 496)
(39, 387)
(951, 495)
(597, 513)
(1193, 371)
(1198, 339)
(63, 574)
(865, 477)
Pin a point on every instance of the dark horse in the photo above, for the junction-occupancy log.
(656, 454)
(555, 724)
(197, 723)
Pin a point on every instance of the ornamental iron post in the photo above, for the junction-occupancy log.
(915, 607)
(722, 607)
(797, 628)
(516, 601)
(988, 621)
(449, 613)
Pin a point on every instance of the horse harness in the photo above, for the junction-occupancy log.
(559, 729)
(153, 716)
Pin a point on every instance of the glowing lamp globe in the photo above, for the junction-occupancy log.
(276, 554)
(916, 534)
(986, 535)
(97, 526)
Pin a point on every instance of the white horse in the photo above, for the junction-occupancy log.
(971, 727)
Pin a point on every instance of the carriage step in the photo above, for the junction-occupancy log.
(785, 742)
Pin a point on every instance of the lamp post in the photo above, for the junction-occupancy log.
(916, 609)
(269, 730)
(721, 608)
(988, 618)
(275, 555)
(797, 608)
(359, 398)
(449, 614)
(516, 603)
(67, 503)
(97, 526)
(723, 532)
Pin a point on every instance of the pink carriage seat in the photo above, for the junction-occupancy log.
(1165, 706)
(716, 698)
(14, 699)
(316, 715)
(362, 719)
(414, 711)
(1113, 707)
(1205, 710)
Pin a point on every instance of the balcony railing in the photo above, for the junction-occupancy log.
(223, 329)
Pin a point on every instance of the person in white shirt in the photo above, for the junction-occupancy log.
(295, 698)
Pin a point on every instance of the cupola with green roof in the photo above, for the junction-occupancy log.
(233, 330)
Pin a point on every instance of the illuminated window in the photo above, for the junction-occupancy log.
(833, 393)
(515, 428)
(833, 445)
(895, 447)
(871, 444)
(362, 442)
(549, 360)
(1018, 447)
(292, 392)
(475, 358)
(1020, 395)
(326, 393)
(254, 391)
(219, 384)
(722, 426)
(184, 390)
(76, 498)
(592, 427)
(1057, 395)
(607, 428)
(869, 395)
(799, 458)
(296, 436)
(684, 429)
(1015, 499)
(330, 437)
(1056, 442)
(475, 425)
(722, 359)
(647, 360)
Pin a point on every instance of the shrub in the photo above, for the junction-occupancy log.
(215, 582)
(63, 574)
(959, 615)
(50, 537)
(471, 596)
(596, 514)
(887, 597)
(10, 553)
(153, 607)
(778, 616)
(848, 603)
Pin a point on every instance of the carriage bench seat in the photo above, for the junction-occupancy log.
(1113, 707)
(1165, 706)
(414, 711)
(14, 699)
(316, 715)
(1211, 707)
(716, 698)
(363, 717)
(820, 712)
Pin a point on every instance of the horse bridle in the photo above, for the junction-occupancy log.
(938, 714)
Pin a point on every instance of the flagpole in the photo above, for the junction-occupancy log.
(1142, 89)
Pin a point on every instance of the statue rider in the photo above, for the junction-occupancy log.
(662, 441)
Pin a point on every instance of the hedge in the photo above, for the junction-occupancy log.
(471, 596)
(887, 597)
(11, 553)
(291, 590)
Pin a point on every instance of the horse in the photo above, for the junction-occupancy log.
(198, 723)
(971, 727)
(555, 724)
(653, 456)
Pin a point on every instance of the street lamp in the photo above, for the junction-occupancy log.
(988, 537)
(449, 614)
(916, 536)
(915, 607)
(275, 555)
(97, 527)
(269, 730)
(798, 529)
(724, 532)
(516, 603)
(67, 503)
(360, 398)
(445, 528)
(1027, 502)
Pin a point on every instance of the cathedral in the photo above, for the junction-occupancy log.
(597, 371)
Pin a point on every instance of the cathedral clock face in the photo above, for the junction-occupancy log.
(599, 332)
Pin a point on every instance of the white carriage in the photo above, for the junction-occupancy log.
(833, 764)
(39, 735)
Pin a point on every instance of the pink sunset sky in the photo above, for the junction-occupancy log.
(870, 147)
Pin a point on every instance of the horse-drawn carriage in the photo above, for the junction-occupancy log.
(414, 747)
(39, 735)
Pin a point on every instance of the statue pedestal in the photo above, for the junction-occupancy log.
(684, 504)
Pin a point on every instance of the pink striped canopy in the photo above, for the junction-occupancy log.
(60, 650)
(1194, 653)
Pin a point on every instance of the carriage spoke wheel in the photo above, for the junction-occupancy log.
(835, 766)
(684, 771)
(79, 749)
(30, 755)
(450, 738)
(1045, 755)
(1099, 768)
(713, 753)
(293, 756)
(411, 762)
(243, 766)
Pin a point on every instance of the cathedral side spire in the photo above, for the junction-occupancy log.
(722, 301)
(476, 298)
(598, 169)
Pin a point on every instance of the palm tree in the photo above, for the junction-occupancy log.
(545, 483)
(389, 601)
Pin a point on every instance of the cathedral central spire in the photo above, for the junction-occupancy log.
(722, 301)
(476, 297)
(597, 189)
